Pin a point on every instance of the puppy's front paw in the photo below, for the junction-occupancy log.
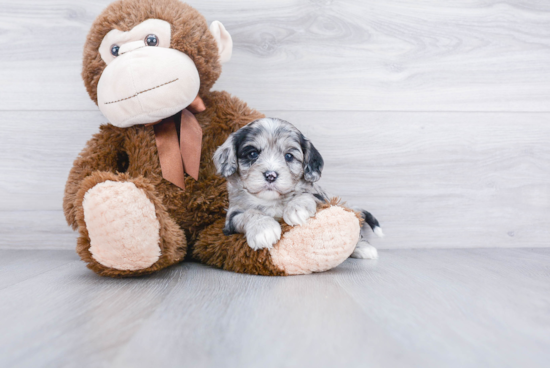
(297, 212)
(263, 233)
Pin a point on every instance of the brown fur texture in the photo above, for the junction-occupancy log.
(232, 253)
(130, 154)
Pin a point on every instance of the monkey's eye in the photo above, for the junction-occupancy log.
(289, 157)
(151, 40)
(114, 50)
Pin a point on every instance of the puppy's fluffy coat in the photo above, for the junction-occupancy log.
(271, 170)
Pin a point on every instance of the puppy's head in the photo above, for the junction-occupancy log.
(270, 157)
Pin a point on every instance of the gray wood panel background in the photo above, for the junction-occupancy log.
(433, 115)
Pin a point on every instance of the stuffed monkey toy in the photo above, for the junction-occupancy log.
(144, 193)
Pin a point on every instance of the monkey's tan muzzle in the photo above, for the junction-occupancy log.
(146, 84)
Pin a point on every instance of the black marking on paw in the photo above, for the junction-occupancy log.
(229, 228)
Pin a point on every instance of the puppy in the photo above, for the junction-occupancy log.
(271, 170)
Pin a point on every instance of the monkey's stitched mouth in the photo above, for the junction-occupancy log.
(138, 93)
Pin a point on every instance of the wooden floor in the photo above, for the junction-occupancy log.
(410, 308)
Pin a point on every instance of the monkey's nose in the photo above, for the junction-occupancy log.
(270, 176)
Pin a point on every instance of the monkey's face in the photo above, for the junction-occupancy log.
(145, 80)
(148, 74)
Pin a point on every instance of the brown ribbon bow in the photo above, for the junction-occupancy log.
(177, 155)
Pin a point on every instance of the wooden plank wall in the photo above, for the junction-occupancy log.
(433, 115)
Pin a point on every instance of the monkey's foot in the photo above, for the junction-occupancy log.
(125, 230)
(324, 242)
(122, 225)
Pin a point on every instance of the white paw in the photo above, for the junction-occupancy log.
(364, 250)
(299, 211)
(263, 233)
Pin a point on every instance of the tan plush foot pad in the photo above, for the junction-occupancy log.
(122, 226)
(321, 244)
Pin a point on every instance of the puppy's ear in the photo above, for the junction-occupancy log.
(225, 158)
(313, 162)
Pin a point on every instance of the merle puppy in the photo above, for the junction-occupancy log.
(271, 170)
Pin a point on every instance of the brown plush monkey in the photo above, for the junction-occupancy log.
(150, 65)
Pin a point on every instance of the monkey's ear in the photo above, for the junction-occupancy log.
(313, 162)
(225, 158)
(223, 39)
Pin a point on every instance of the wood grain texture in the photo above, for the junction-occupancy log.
(440, 179)
(71, 317)
(434, 180)
(426, 308)
(36, 230)
(20, 265)
(476, 55)
(37, 150)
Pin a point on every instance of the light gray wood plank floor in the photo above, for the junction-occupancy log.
(410, 308)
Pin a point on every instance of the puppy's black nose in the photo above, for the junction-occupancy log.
(270, 176)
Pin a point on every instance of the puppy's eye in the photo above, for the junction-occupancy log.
(253, 155)
(151, 40)
(114, 50)
(289, 157)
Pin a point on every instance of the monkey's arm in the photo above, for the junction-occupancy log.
(100, 154)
